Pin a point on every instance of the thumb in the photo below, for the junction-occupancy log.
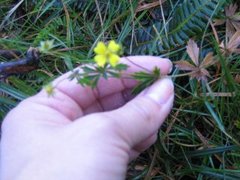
(143, 116)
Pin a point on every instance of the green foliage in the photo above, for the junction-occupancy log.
(90, 75)
(9, 96)
(84, 5)
(199, 140)
(188, 20)
(103, 5)
(145, 79)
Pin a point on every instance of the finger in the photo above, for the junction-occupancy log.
(133, 154)
(135, 63)
(85, 96)
(145, 144)
(111, 102)
(60, 102)
(141, 147)
(143, 116)
(70, 94)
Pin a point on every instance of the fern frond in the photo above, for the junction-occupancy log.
(190, 19)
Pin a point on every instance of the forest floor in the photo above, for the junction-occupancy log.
(200, 138)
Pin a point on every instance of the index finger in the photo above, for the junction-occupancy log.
(85, 96)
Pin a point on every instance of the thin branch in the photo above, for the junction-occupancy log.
(26, 64)
(137, 64)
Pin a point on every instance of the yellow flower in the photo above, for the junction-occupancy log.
(49, 89)
(107, 54)
(45, 46)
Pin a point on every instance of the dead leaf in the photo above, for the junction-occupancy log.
(219, 94)
(232, 45)
(198, 69)
(185, 65)
(142, 6)
(232, 20)
(234, 42)
(237, 78)
(193, 51)
(218, 22)
(231, 10)
(208, 60)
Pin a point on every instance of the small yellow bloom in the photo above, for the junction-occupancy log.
(49, 89)
(45, 46)
(107, 54)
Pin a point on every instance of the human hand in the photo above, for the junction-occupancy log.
(81, 133)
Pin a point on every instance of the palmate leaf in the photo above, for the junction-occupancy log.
(198, 68)
(189, 19)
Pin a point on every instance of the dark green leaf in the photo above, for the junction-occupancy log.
(121, 67)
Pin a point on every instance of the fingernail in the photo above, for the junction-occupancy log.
(161, 91)
(170, 66)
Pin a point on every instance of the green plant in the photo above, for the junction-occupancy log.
(189, 19)
(200, 139)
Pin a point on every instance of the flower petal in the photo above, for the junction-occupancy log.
(114, 47)
(101, 60)
(101, 48)
(45, 46)
(113, 59)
